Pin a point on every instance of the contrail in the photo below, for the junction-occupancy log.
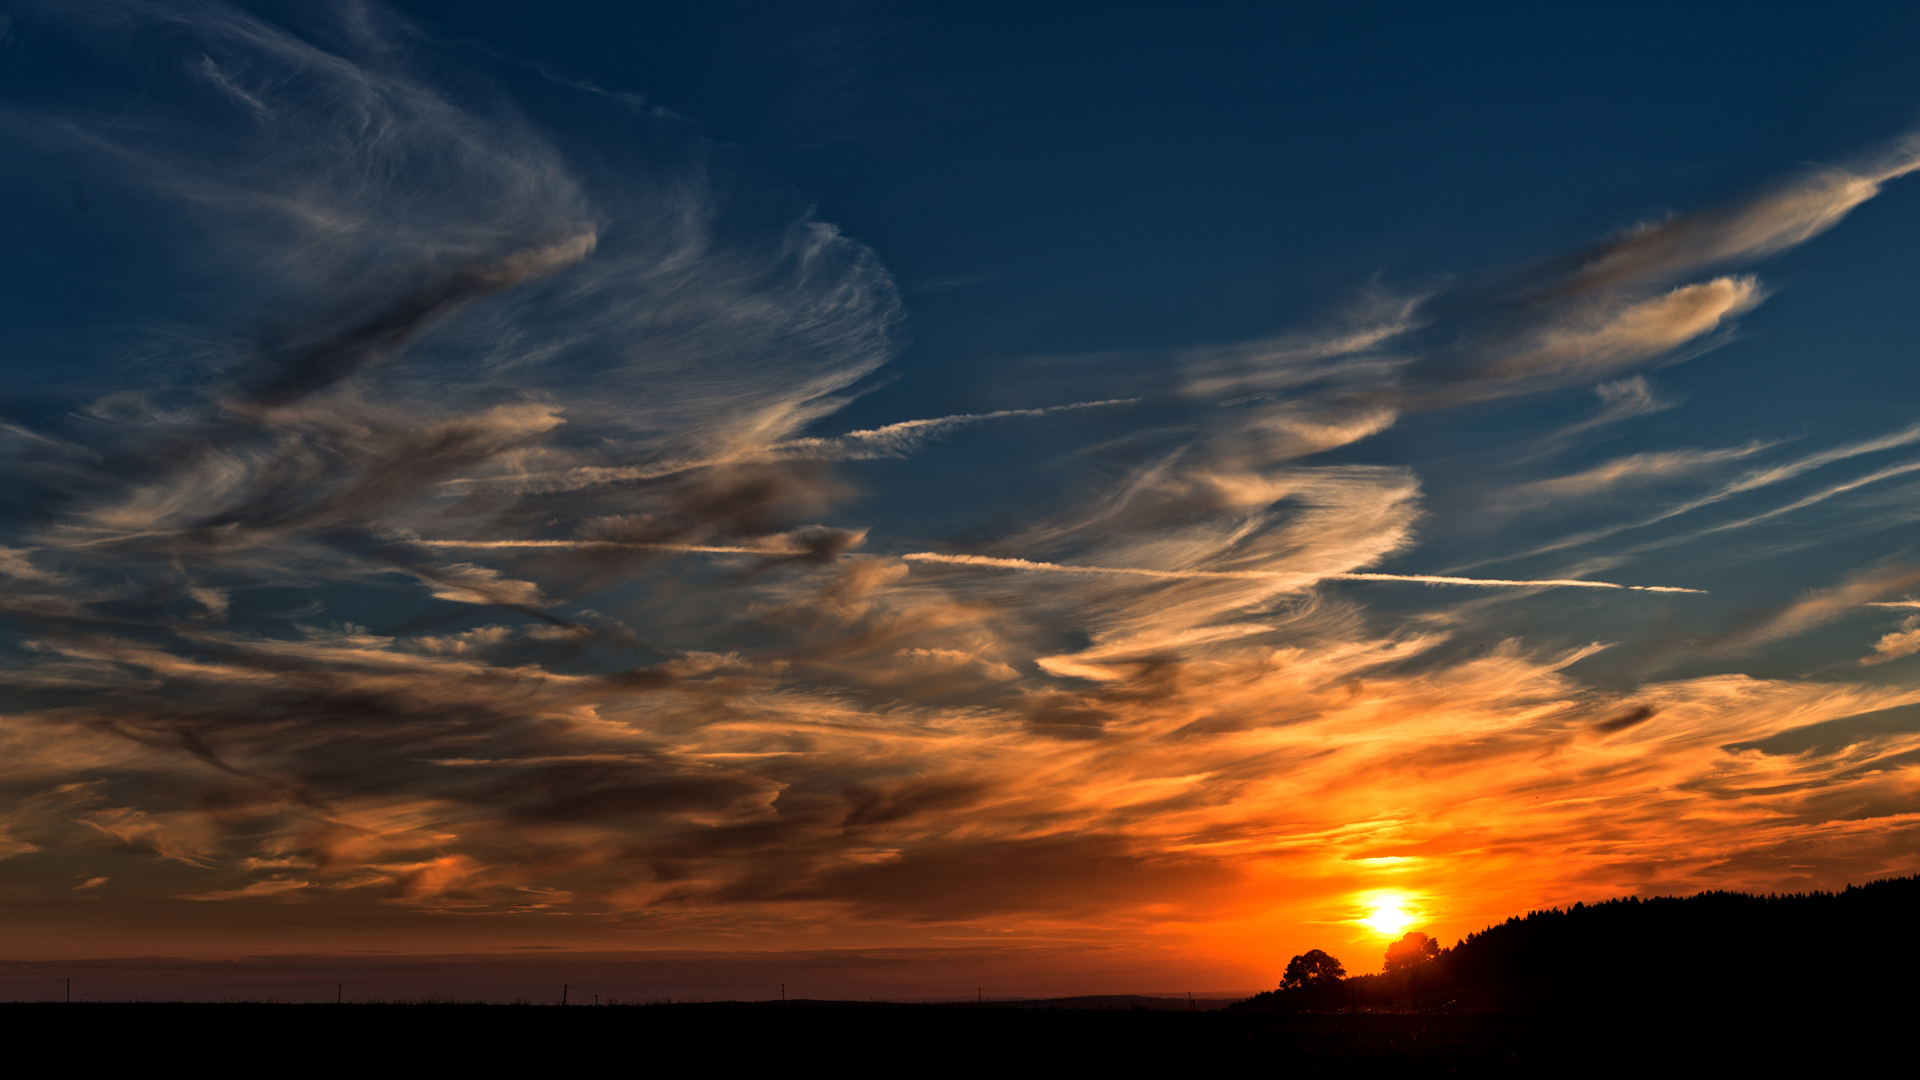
(916, 428)
(1750, 482)
(887, 441)
(1819, 496)
(1426, 579)
(1060, 568)
(714, 548)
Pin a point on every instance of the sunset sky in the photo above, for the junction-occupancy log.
(1099, 498)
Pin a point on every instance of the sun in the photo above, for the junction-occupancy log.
(1388, 914)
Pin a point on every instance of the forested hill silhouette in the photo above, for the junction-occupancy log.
(1711, 949)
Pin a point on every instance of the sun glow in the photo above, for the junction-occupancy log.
(1388, 914)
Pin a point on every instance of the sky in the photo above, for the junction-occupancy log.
(1089, 498)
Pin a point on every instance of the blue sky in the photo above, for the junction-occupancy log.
(859, 474)
(1074, 181)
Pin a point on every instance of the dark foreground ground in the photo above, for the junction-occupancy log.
(946, 1040)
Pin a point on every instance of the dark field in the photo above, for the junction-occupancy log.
(1808, 983)
(950, 1040)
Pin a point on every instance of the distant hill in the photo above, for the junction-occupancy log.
(1662, 954)
(1121, 1001)
(1152, 1002)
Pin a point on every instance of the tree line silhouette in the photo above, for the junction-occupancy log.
(1720, 949)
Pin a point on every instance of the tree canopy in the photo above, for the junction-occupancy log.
(1411, 951)
(1572, 957)
(1312, 968)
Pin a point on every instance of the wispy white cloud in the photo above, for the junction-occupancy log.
(1583, 345)
(1819, 496)
(1821, 606)
(1621, 399)
(1350, 350)
(1902, 642)
(1646, 467)
(1789, 215)
(891, 440)
(467, 583)
(1753, 480)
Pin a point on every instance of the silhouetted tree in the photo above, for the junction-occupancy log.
(1580, 957)
(1312, 968)
(1412, 951)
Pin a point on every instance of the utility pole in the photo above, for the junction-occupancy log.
(563, 993)
(783, 993)
(1191, 1007)
(339, 992)
(69, 991)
